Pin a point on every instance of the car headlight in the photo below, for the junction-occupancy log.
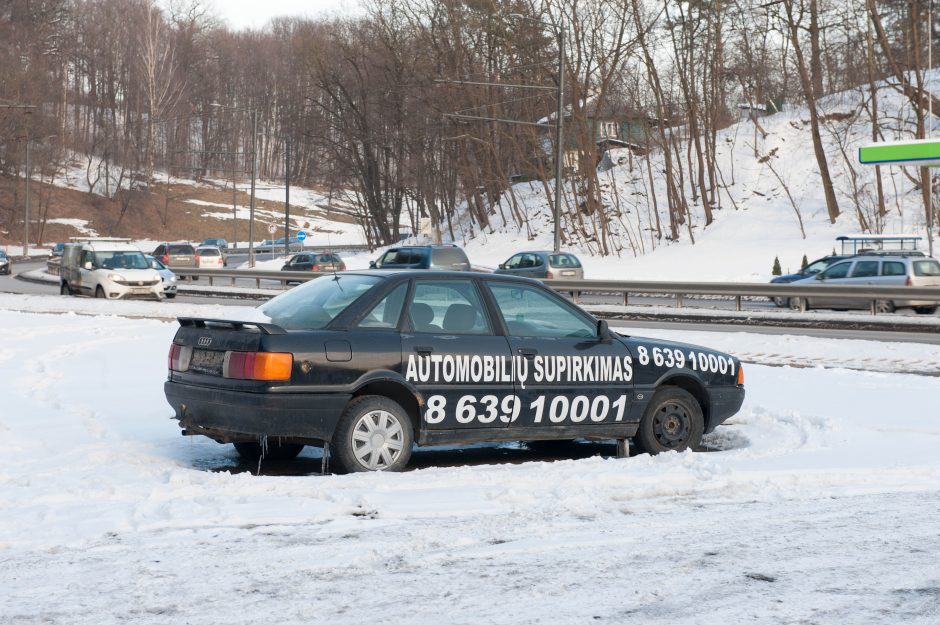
(113, 277)
(172, 278)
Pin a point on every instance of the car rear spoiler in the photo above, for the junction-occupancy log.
(267, 328)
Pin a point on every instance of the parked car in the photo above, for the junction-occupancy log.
(372, 362)
(543, 265)
(808, 271)
(56, 250)
(169, 279)
(314, 261)
(209, 258)
(222, 244)
(6, 263)
(276, 245)
(875, 270)
(433, 257)
(180, 254)
(108, 269)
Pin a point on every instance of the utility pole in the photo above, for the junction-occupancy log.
(254, 173)
(287, 195)
(28, 109)
(559, 135)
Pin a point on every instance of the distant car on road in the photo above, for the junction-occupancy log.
(6, 263)
(108, 269)
(372, 362)
(222, 244)
(875, 270)
(169, 279)
(808, 271)
(181, 254)
(209, 258)
(433, 257)
(543, 265)
(56, 250)
(314, 261)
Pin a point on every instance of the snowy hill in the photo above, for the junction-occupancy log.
(756, 221)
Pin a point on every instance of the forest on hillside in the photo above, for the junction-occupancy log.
(420, 108)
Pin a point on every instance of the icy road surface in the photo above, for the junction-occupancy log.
(824, 507)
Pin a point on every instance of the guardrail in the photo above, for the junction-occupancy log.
(870, 293)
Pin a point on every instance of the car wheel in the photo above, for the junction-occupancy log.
(170, 295)
(799, 303)
(64, 289)
(274, 450)
(884, 306)
(925, 310)
(374, 434)
(673, 422)
(99, 293)
(781, 302)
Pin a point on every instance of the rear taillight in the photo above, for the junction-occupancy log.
(549, 275)
(165, 259)
(342, 266)
(740, 375)
(179, 357)
(315, 268)
(257, 365)
(908, 282)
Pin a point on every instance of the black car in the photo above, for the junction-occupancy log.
(434, 257)
(811, 269)
(372, 362)
(6, 263)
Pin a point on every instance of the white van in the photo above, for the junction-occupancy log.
(108, 269)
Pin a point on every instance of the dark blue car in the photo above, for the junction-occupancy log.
(811, 269)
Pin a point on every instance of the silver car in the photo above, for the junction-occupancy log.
(879, 271)
(168, 278)
(543, 265)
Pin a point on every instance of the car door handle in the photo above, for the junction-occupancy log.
(528, 352)
(424, 350)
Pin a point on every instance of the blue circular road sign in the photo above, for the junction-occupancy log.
(301, 235)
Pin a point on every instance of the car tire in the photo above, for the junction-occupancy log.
(170, 295)
(781, 302)
(925, 310)
(884, 306)
(799, 304)
(64, 289)
(99, 293)
(374, 434)
(274, 450)
(673, 421)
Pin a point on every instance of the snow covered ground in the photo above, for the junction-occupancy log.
(821, 506)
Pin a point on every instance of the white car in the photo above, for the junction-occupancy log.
(108, 269)
(209, 257)
(169, 279)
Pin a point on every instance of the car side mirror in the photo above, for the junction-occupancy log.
(820, 276)
(88, 265)
(153, 265)
(603, 331)
(371, 264)
(502, 265)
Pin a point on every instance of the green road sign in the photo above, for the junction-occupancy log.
(922, 153)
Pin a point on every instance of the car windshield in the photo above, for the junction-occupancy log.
(402, 256)
(121, 260)
(818, 266)
(208, 251)
(3, 254)
(315, 304)
(180, 249)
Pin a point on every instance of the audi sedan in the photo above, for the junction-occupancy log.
(371, 363)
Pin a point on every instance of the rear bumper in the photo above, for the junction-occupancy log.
(232, 416)
(723, 403)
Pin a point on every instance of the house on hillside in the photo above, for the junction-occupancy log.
(611, 125)
(755, 111)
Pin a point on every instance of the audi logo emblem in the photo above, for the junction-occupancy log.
(204, 341)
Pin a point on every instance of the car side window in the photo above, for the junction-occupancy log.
(386, 313)
(158, 251)
(529, 312)
(513, 263)
(816, 267)
(889, 268)
(839, 270)
(447, 307)
(865, 269)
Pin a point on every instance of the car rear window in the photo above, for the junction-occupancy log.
(403, 257)
(327, 258)
(926, 268)
(563, 260)
(315, 304)
(208, 251)
(180, 249)
(449, 257)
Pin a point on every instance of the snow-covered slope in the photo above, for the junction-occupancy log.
(756, 221)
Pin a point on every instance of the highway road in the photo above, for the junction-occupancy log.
(10, 284)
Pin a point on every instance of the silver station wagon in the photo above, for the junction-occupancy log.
(879, 271)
